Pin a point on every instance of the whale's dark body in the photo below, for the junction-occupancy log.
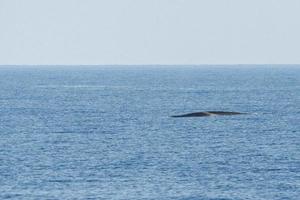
(208, 113)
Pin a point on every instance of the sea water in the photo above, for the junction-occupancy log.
(106, 133)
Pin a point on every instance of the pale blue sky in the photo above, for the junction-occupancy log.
(149, 31)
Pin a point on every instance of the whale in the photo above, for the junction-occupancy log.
(208, 113)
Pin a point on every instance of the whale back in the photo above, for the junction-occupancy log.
(208, 113)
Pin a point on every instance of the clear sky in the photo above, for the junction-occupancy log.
(149, 31)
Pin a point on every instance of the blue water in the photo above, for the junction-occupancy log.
(105, 133)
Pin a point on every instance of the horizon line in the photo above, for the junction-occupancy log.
(100, 65)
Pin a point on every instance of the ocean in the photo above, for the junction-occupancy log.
(88, 132)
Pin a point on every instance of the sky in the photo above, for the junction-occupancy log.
(101, 32)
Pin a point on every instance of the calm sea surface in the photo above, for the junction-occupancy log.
(105, 133)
